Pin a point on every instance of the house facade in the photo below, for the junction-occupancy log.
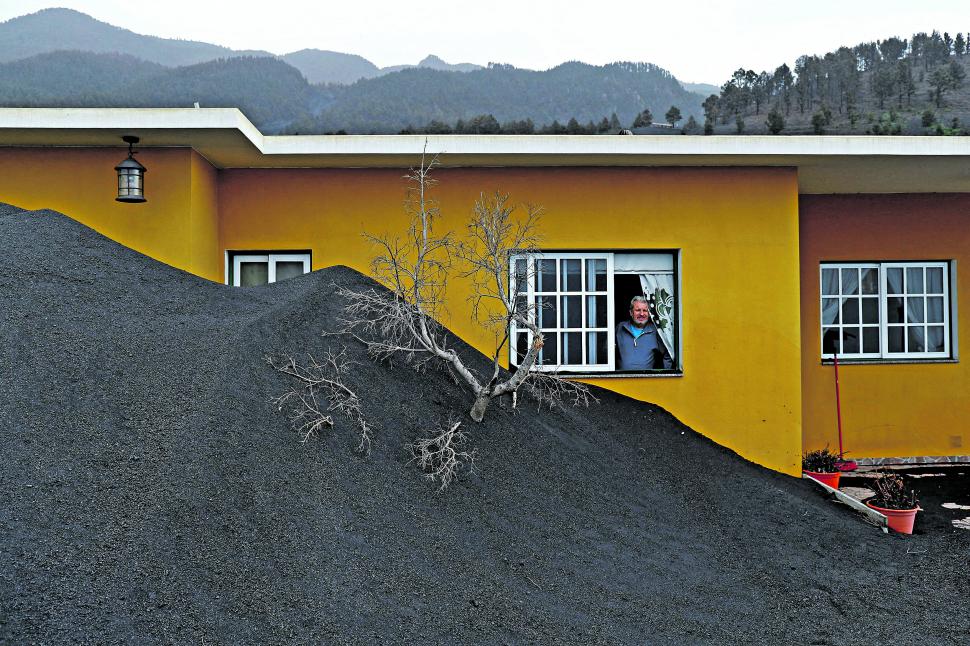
(762, 256)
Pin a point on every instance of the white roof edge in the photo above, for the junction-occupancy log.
(188, 119)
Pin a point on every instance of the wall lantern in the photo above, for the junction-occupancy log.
(131, 176)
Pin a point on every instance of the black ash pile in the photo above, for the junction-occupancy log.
(149, 493)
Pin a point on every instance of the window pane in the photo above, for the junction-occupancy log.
(545, 275)
(850, 310)
(894, 280)
(914, 280)
(546, 311)
(915, 338)
(253, 273)
(934, 338)
(572, 311)
(870, 339)
(850, 282)
(870, 281)
(934, 309)
(896, 339)
(571, 274)
(830, 311)
(572, 348)
(288, 269)
(548, 356)
(934, 280)
(596, 311)
(870, 310)
(596, 350)
(521, 347)
(830, 282)
(850, 340)
(894, 310)
(914, 310)
(830, 341)
(596, 275)
(521, 275)
(521, 307)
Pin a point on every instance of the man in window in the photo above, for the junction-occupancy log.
(638, 345)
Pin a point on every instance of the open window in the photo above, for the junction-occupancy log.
(579, 300)
(248, 269)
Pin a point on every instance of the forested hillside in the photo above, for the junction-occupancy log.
(893, 86)
(277, 98)
(270, 92)
(415, 97)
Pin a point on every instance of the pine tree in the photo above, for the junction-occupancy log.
(643, 119)
(673, 115)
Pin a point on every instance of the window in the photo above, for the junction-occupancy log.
(886, 310)
(578, 299)
(249, 269)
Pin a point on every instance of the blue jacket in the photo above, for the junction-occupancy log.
(644, 353)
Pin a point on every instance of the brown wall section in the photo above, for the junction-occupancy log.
(888, 410)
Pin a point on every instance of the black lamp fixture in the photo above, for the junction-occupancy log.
(131, 175)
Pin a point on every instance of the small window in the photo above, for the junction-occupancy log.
(886, 310)
(580, 300)
(250, 269)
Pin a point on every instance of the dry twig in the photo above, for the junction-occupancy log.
(305, 410)
(441, 457)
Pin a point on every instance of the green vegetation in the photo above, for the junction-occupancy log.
(830, 93)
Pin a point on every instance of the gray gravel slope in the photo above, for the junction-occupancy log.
(149, 493)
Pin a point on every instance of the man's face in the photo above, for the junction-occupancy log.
(640, 314)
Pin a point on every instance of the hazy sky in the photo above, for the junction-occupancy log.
(696, 41)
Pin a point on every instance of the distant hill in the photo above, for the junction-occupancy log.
(434, 63)
(320, 66)
(704, 89)
(66, 29)
(271, 93)
(571, 90)
(276, 96)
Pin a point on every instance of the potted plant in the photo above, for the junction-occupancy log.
(894, 502)
(822, 465)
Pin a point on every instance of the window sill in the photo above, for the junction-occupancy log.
(623, 375)
(883, 362)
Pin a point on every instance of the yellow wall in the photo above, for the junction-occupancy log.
(737, 229)
(178, 225)
(888, 410)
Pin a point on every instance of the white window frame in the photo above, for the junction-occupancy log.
(610, 329)
(584, 329)
(883, 296)
(270, 258)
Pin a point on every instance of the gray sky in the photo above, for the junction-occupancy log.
(699, 41)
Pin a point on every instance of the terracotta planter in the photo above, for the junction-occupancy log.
(900, 520)
(830, 479)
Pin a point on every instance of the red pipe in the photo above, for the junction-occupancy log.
(838, 403)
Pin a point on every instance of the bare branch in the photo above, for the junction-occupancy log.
(441, 457)
(304, 409)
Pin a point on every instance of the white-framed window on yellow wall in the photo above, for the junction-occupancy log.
(580, 300)
(886, 310)
(249, 268)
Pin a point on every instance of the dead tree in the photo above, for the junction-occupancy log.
(402, 322)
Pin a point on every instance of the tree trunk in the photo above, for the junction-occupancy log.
(481, 404)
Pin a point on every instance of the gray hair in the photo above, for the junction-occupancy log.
(639, 299)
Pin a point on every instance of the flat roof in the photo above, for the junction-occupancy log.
(224, 136)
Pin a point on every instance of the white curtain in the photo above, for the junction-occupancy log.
(659, 288)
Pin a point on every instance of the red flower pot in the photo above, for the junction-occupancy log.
(830, 479)
(900, 520)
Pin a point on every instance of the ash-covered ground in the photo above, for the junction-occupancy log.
(150, 493)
